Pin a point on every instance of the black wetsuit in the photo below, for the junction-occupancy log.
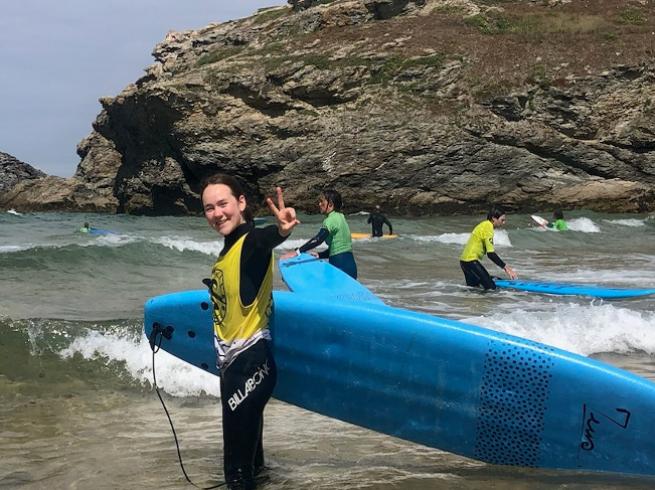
(475, 273)
(252, 372)
(377, 220)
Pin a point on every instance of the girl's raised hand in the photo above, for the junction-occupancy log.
(285, 217)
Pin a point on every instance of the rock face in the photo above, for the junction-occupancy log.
(12, 171)
(433, 106)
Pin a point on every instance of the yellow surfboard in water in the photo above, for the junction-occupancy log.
(362, 236)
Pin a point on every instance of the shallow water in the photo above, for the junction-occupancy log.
(77, 408)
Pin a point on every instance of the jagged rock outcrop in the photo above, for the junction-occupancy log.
(13, 171)
(419, 106)
(91, 189)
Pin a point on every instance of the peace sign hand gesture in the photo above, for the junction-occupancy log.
(285, 217)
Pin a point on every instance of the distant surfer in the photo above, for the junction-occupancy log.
(376, 219)
(241, 289)
(558, 222)
(335, 232)
(481, 242)
(85, 228)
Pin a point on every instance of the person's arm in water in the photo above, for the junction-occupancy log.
(493, 256)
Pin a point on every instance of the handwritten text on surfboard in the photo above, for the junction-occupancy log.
(591, 421)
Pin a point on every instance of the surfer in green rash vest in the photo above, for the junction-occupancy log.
(558, 222)
(241, 289)
(481, 242)
(335, 232)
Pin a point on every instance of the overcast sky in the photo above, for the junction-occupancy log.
(58, 57)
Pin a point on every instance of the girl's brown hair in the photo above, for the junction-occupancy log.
(235, 187)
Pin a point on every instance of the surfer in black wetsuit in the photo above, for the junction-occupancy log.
(376, 220)
(241, 289)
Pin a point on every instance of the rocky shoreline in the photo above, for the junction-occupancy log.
(435, 106)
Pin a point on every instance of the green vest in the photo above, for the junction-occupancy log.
(339, 239)
(560, 225)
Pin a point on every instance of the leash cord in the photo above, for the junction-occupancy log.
(157, 332)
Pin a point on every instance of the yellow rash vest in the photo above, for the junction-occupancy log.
(238, 326)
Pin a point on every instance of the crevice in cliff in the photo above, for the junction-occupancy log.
(639, 147)
(547, 154)
(255, 100)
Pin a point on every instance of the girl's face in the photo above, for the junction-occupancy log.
(500, 221)
(224, 211)
(324, 205)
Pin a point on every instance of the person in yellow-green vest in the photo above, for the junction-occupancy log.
(481, 243)
(335, 232)
(241, 289)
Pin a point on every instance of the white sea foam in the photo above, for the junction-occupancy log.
(584, 225)
(583, 329)
(14, 248)
(627, 222)
(182, 244)
(454, 238)
(501, 238)
(173, 376)
(14, 212)
(111, 240)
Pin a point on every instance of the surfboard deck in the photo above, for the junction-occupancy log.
(442, 383)
(557, 288)
(318, 279)
(543, 222)
(363, 236)
(100, 231)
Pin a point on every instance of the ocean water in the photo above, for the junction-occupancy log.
(77, 408)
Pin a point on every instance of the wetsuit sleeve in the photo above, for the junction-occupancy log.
(255, 258)
(267, 238)
(493, 256)
(314, 242)
(325, 254)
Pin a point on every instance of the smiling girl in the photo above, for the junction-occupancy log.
(242, 296)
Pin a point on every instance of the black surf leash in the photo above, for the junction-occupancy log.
(156, 336)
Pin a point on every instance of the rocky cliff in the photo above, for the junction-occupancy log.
(419, 106)
(13, 171)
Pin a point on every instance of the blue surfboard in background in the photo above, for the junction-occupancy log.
(558, 288)
(318, 279)
(438, 382)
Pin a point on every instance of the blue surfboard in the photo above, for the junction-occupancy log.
(438, 382)
(573, 289)
(318, 279)
(100, 231)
